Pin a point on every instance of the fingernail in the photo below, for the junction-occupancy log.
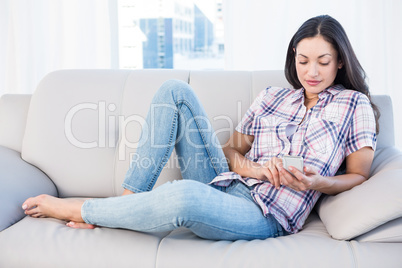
(291, 168)
(24, 206)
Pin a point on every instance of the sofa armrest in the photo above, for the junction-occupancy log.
(19, 181)
(13, 117)
(386, 158)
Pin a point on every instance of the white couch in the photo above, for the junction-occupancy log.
(73, 138)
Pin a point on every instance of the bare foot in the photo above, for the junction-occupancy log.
(80, 225)
(127, 192)
(44, 206)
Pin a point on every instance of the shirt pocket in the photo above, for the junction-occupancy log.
(321, 136)
(269, 141)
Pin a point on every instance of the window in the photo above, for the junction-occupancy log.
(180, 34)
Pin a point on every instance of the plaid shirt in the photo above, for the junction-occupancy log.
(339, 124)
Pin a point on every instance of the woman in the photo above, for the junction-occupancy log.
(328, 118)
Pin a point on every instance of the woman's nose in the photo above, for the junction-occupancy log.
(313, 70)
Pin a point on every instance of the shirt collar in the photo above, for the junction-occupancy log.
(298, 94)
(333, 90)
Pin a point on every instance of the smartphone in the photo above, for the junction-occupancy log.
(294, 161)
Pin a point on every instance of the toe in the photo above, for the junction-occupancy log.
(32, 202)
(28, 204)
(34, 212)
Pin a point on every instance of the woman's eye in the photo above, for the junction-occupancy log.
(324, 64)
(303, 63)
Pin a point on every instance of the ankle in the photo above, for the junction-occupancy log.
(127, 192)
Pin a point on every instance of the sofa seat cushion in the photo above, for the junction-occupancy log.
(19, 180)
(389, 232)
(50, 243)
(311, 247)
(376, 254)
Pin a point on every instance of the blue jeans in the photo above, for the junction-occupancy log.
(177, 120)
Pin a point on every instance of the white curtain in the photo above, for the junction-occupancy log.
(37, 37)
(257, 34)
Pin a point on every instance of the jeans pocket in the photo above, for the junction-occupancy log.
(239, 189)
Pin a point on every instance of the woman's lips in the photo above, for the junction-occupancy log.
(313, 82)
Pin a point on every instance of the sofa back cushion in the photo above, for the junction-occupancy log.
(13, 118)
(140, 87)
(83, 125)
(386, 136)
(224, 95)
(66, 133)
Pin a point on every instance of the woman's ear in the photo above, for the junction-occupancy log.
(340, 64)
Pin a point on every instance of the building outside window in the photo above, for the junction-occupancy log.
(180, 34)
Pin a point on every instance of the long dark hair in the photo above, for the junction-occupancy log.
(351, 75)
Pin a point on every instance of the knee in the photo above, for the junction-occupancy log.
(188, 196)
(173, 84)
(175, 88)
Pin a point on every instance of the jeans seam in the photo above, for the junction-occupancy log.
(201, 134)
(133, 189)
(230, 232)
(212, 226)
(164, 160)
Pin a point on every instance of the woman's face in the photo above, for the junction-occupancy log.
(316, 64)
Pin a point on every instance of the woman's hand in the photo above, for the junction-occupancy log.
(311, 179)
(269, 171)
(358, 166)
